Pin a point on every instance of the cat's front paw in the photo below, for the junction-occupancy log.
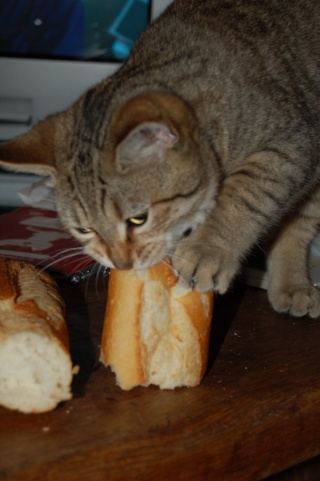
(205, 266)
(296, 300)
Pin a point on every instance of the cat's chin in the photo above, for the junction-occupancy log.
(124, 266)
(137, 265)
(126, 263)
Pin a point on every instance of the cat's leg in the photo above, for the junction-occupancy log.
(250, 200)
(290, 289)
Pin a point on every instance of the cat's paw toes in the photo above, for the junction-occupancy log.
(205, 270)
(297, 300)
(212, 274)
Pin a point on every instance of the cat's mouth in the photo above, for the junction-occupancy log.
(124, 256)
(123, 266)
(135, 261)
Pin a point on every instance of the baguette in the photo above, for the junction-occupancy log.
(35, 364)
(155, 331)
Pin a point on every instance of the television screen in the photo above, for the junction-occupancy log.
(51, 51)
(71, 29)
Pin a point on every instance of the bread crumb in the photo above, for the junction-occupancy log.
(75, 369)
(46, 429)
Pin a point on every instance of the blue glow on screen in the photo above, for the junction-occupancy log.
(80, 29)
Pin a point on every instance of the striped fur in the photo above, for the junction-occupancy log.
(208, 136)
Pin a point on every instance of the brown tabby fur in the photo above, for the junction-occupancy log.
(207, 137)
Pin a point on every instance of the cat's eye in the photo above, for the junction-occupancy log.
(137, 220)
(85, 230)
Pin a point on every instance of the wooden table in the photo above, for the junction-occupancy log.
(256, 412)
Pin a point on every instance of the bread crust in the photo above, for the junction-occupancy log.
(123, 303)
(156, 331)
(35, 363)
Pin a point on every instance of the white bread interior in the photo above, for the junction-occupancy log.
(156, 331)
(35, 364)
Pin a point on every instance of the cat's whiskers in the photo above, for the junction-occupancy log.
(90, 277)
(100, 269)
(70, 254)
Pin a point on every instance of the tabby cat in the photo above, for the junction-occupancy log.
(199, 145)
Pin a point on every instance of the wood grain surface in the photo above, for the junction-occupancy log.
(255, 414)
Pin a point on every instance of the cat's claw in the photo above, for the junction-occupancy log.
(205, 269)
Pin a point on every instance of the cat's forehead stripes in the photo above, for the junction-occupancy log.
(94, 115)
(128, 209)
(179, 195)
(102, 198)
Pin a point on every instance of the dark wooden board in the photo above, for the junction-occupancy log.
(256, 412)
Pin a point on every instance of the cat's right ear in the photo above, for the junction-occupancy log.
(147, 140)
(32, 152)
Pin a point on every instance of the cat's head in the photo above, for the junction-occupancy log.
(130, 197)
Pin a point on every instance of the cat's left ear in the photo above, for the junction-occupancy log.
(149, 140)
(32, 152)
